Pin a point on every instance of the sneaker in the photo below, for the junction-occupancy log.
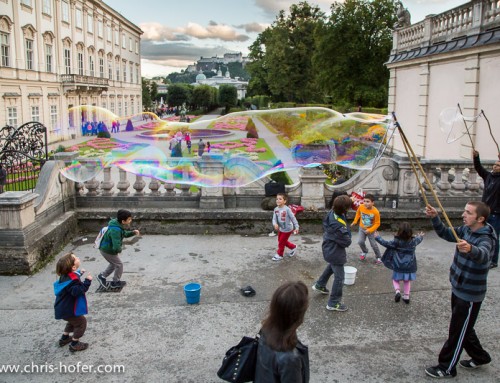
(362, 256)
(117, 284)
(438, 372)
(406, 299)
(277, 257)
(80, 346)
(337, 307)
(470, 364)
(397, 297)
(320, 289)
(493, 265)
(378, 261)
(64, 342)
(102, 280)
(272, 234)
(293, 252)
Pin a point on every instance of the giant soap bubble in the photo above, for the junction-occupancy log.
(246, 145)
(454, 124)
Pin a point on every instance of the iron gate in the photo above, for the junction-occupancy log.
(23, 151)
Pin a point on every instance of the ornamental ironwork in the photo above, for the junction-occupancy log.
(23, 152)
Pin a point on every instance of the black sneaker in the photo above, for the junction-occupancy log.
(406, 300)
(117, 284)
(439, 373)
(102, 281)
(320, 289)
(64, 342)
(493, 265)
(470, 364)
(397, 297)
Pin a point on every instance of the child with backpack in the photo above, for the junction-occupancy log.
(285, 223)
(400, 257)
(71, 304)
(111, 247)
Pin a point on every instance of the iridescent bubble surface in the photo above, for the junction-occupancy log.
(244, 146)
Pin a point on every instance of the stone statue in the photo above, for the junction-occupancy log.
(182, 113)
(403, 15)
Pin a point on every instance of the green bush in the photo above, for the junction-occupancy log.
(281, 177)
(60, 149)
(103, 135)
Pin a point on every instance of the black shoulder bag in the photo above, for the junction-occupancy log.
(238, 366)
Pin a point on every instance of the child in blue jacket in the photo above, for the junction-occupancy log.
(71, 304)
(401, 251)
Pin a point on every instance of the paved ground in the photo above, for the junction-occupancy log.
(150, 330)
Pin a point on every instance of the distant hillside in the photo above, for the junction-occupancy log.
(236, 69)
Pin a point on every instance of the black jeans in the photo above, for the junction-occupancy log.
(462, 335)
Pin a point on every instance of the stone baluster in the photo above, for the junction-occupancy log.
(92, 185)
(185, 189)
(169, 189)
(443, 184)
(473, 186)
(79, 186)
(458, 185)
(107, 184)
(154, 186)
(123, 184)
(139, 185)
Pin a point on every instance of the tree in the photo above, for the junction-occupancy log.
(228, 96)
(284, 52)
(178, 94)
(154, 90)
(146, 95)
(351, 49)
(202, 97)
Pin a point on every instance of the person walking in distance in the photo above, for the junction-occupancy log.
(491, 197)
(468, 278)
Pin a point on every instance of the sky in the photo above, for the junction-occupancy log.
(177, 33)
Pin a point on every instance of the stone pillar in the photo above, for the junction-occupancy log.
(212, 197)
(16, 210)
(313, 188)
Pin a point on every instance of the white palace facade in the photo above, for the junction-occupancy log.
(59, 54)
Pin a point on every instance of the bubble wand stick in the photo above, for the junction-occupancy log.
(489, 127)
(414, 158)
(466, 127)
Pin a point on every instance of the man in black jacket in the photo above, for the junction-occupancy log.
(491, 196)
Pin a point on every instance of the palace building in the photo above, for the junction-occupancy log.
(59, 54)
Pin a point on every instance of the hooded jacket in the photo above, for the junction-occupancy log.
(469, 271)
(336, 237)
(404, 260)
(491, 192)
(112, 241)
(70, 296)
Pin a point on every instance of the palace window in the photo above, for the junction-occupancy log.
(4, 42)
(117, 37)
(101, 67)
(90, 23)
(124, 72)
(48, 58)
(78, 18)
(47, 7)
(53, 117)
(29, 54)
(131, 73)
(67, 60)
(124, 41)
(108, 33)
(80, 64)
(100, 29)
(91, 65)
(12, 116)
(110, 71)
(35, 113)
(65, 11)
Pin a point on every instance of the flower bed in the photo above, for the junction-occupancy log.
(98, 146)
(247, 143)
(232, 123)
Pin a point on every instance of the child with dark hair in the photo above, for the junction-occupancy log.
(71, 304)
(284, 222)
(281, 357)
(404, 261)
(336, 238)
(369, 221)
(111, 247)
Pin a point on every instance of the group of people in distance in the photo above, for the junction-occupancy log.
(281, 357)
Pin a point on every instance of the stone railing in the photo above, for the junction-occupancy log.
(468, 19)
(34, 225)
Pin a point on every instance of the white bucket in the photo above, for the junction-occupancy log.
(350, 275)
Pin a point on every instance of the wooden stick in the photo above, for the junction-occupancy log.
(466, 128)
(489, 127)
(403, 136)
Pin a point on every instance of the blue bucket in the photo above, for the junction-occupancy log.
(192, 291)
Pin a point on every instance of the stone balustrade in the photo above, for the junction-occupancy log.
(33, 225)
(468, 19)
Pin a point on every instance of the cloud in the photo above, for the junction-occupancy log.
(253, 27)
(158, 32)
(273, 7)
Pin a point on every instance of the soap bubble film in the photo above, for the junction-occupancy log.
(244, 146)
